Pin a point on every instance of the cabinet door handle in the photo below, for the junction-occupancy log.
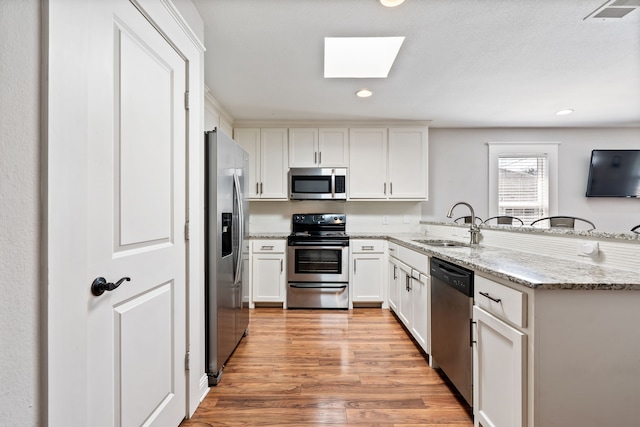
(408, 286)
(257, 188)
(395, 268)
(319, 157)
(391, 188)
(367, 248)
(315, 157)
(281, 266)
(472, 335)
(260, 188)
(354, 266)
(486, 295)
(266, 248)
(385, 188)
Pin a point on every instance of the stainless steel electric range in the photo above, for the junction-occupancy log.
(318, 262)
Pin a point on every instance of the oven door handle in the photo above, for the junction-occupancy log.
(316, 286)
(320, 245)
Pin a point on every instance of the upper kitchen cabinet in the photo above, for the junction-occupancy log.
(368, 163)
(388, 163)
(408, 160)
(313, 147)
(268, 161)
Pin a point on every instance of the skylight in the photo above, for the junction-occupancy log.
(360, 57)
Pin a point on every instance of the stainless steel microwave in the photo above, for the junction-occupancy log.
(318, 183)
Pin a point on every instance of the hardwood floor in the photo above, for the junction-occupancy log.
(336, 368)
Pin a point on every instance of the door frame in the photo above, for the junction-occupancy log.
(65, 30)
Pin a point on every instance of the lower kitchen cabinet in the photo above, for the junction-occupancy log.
(555, 357)
(268, 271)
(499, 355)
(367, 271)
(409, 286)
(499, 366)
(394, 278)
(421, 298)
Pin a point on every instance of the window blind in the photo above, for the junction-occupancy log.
(523, 186)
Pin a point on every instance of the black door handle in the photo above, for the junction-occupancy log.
(100, 285)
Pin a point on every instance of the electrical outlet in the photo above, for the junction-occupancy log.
(385, 219)
(590, 249)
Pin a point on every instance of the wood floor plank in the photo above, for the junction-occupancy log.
(329, 368)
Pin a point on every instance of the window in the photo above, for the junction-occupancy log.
(523, 180)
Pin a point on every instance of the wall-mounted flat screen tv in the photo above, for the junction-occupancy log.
(614, 173)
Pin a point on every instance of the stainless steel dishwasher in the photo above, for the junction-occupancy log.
(451, 313)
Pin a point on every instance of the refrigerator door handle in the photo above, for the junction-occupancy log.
(238, 197)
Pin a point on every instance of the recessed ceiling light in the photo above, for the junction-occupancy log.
(391, 3)
(360, 57)
(564, 112)
(364, 93)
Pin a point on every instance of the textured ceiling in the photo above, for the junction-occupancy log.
(464, 63)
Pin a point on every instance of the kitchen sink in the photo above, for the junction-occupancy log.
(442, 243)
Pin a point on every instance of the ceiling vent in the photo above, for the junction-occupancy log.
(614, 9)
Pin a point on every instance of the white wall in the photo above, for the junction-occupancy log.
(458, 170)
(19, 213)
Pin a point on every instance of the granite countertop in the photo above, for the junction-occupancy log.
(533, 271)
(267, 236)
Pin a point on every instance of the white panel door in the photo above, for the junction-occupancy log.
(268, 273)
(499, 372)
(408, 163)
(367, 277)
(421, 296)
(367, 163)
(249, 139)
(394, 277)
(405, 305)
(274, 165)
(136, 217)
(303, 147)
(333, 147)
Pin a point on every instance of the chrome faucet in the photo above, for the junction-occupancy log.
(473, 229)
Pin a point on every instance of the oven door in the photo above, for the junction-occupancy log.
(318, 263)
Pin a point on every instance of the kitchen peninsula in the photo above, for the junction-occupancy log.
(561, 345)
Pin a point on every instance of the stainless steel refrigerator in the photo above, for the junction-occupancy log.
(226, 228)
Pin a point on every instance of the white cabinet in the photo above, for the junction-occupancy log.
(408, 161)
(268, 270)
(410, 292)
(246, 274)
(388, 163)
(405, 304)
(318, 147)
(499, 355)
(367, 163)
(268, 161)
(499, 376)
(421, 301)
(394, 278)
(367, 271)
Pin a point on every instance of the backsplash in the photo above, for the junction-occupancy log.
(391, 217)
(615, 253)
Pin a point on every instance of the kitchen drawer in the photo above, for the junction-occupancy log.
(269, 246)
(504, 302)
(366, 246)
(417, 260)
(394, 250)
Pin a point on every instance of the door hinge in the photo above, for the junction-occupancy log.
(186, 230)
(186, 361)
(186, 100)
